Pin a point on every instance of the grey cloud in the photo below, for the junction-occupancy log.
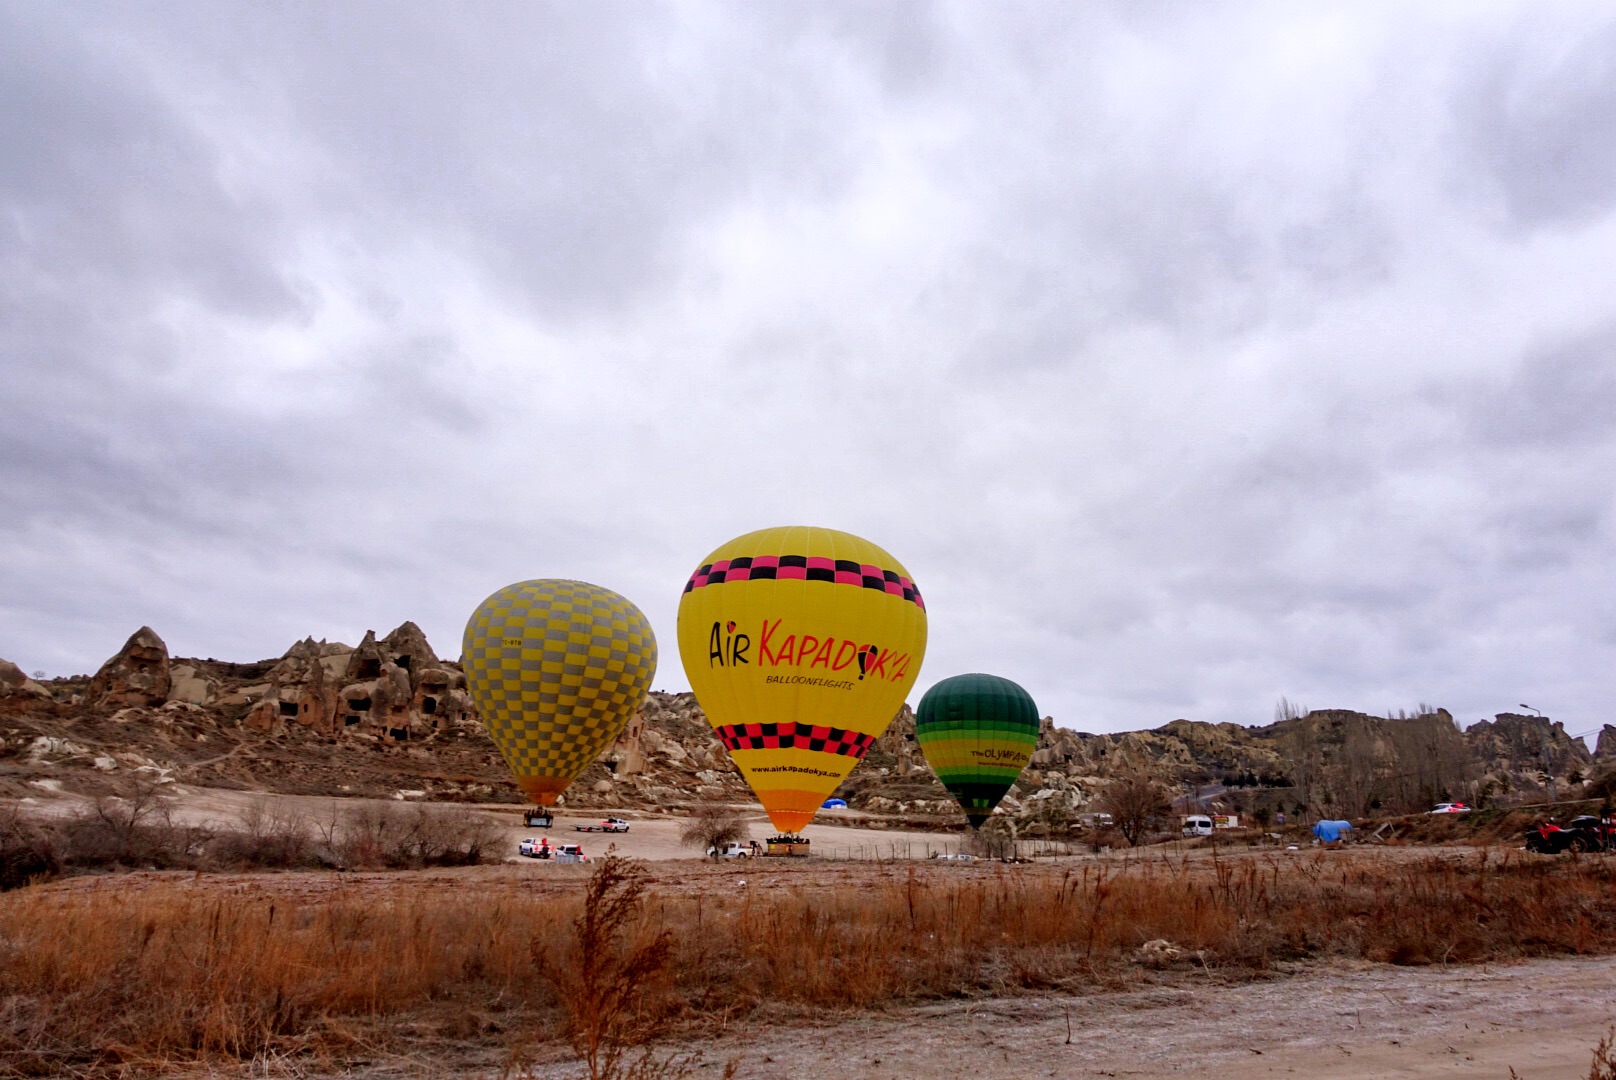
(568, 151)
(1540, 124)
(317, 319)
(1558, 397)
(109, 194)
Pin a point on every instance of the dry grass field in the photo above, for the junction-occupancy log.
(481, 969)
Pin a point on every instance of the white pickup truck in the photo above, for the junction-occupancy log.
(611, 824)
(731, 850)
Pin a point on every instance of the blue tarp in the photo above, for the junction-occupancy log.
(834, 804)
(1331, 831)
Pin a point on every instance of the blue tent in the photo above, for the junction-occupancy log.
(834, 804)
(1330, 832)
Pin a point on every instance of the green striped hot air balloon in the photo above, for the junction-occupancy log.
(978, 732)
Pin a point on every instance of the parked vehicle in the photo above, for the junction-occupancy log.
(1197, 825)
(1451, 808)
(534, 847)
(1601, 832)
(731, 850)
(1583, 833)
(611, 824)
(570, 853)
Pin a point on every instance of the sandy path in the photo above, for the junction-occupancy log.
(657, 837)
(1542, 1018)
(650, 836)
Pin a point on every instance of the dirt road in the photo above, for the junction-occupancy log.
(650, 836)
(1542, 1018)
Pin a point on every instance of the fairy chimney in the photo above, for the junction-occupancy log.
(137, 675)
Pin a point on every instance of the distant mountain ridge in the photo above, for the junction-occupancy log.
(389, 717)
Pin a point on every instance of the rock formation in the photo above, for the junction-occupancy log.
(394, 689)
(13, 682)
(137, 675)
(1605, 748)
(326, 708)
(1527, 744)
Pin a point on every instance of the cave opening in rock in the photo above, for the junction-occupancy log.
(288, 708)
(370, 668)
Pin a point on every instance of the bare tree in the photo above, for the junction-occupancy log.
(1357, 770)
(1135, 801)
(1299, 747)
(712, 827)
(1432, 761)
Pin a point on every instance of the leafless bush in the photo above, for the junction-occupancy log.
(132, 827)
(996, 839)
(1603, 1067)
(1136, 802)
(414, 835)
(27, 851)
(268, 835)
(712, 827)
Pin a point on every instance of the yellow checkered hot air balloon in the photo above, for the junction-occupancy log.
(557, 669)
(801, 644)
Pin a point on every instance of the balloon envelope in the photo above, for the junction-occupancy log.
(557, 669)
(978, 732)
(801, 644)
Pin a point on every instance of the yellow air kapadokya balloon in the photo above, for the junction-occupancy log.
(801, 645)
(557, 669)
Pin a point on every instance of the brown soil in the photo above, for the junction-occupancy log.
(1542, 1018)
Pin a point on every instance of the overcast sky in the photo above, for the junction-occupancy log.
(1188, 355)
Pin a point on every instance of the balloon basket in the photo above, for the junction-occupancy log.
(537, 819)
(787, 846)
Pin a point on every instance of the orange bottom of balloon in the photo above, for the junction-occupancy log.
(791, 811)
(543, 790)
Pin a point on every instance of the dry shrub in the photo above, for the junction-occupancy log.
(94, 979)
(414, 835)
(269, 836)
(27, 851)
(131, 828)
(1603, 1066)
(100, 980)
(713, 827)
(134, 830)
(609, 977)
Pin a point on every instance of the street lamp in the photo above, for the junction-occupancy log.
(1548, 771)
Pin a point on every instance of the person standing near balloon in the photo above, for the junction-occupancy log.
(801, 644)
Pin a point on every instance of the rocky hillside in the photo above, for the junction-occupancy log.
(390, 718)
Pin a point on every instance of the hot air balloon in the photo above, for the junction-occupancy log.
(978, 732)
(801, 645)
(557, 669)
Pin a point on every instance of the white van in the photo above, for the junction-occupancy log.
(1197, 825)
